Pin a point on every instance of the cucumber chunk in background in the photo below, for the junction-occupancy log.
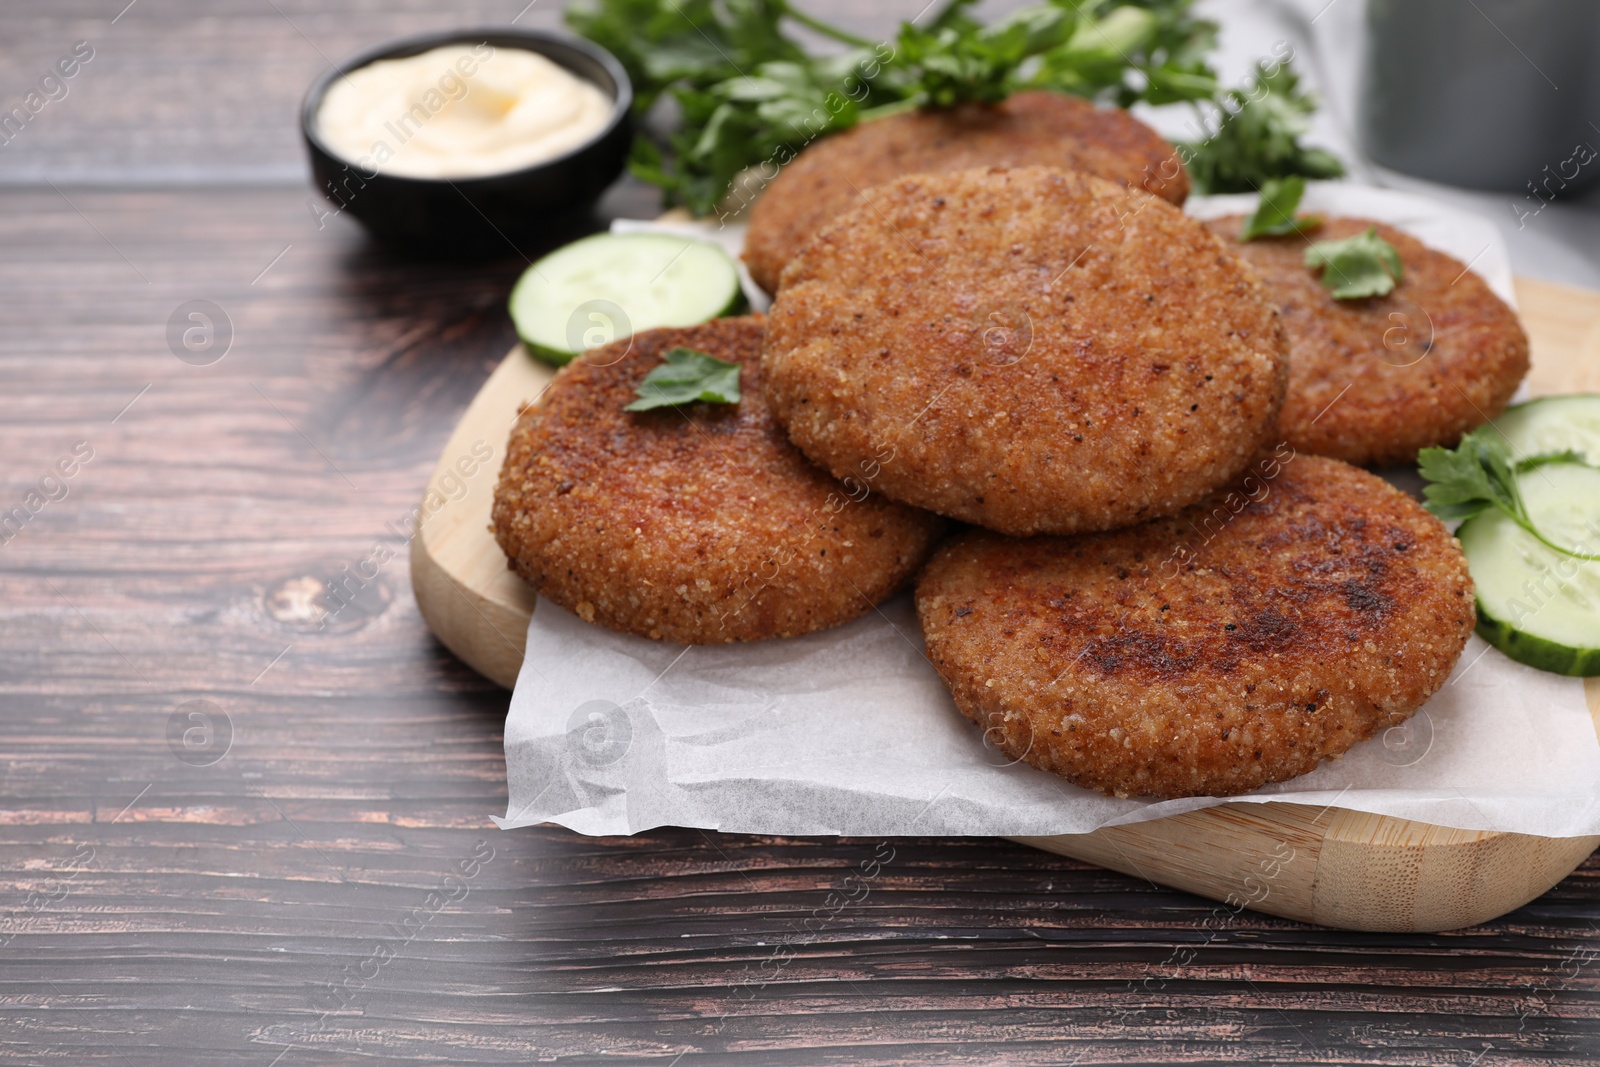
(1535, 604)
(1554, 424)
(598, 289)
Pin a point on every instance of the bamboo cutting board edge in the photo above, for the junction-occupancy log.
(1332, 866)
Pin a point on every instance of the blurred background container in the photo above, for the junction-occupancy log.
(1489, 94)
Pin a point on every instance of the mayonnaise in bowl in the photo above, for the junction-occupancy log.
(459, 111)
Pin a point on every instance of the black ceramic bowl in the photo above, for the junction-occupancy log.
(480, 216)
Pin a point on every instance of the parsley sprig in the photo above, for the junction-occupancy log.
(1357, 266)
(1275, 214)
(685, 376)
(1254, 134)
(749, 96)
(1480, 474)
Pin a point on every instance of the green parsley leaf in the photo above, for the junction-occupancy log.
(1475, 475)
(1121, 53)
(955, 66)
(687, 375)
(1275, 216)
(750, 96)
(1479, 474)
(1254, 135)
(1358, 266)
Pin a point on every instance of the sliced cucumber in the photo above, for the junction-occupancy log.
(1554, 424)
(1535, 604)
(593, 291)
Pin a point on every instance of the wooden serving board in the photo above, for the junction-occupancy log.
(1331, 866)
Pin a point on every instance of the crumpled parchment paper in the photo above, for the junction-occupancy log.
(850, 731)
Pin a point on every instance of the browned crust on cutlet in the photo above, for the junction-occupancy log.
(1419, 367)
(1237, 643)
(699, 524)
(1034, 128)
(1031, 350)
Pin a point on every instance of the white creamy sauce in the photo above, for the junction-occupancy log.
(459, 112)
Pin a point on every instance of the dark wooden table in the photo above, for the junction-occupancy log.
(314, 876)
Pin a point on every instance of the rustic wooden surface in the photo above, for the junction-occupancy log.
(275, 906)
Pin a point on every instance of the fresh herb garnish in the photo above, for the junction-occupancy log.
(750, 97)
(962, 61)
(687, 375)
(1255, 134)
(1114, 52)
(1480, 474)
(1361, 265)
(1275, 214)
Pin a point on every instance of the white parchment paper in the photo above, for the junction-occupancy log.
(850, 731)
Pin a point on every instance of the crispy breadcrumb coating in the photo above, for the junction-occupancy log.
(1033, 128)
(1374, 381)
(1239, 642)
(1031, 350)
(701, 523)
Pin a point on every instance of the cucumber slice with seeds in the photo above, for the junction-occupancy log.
(1554, 424)
(1535, 604)
(598, 289)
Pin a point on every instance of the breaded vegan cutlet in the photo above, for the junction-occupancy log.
(1239, 642)
(1374, 381)
(1031, 350)
(699, 523)
(1034, 128)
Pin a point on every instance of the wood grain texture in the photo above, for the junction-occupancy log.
(214, 917)
(221, 914)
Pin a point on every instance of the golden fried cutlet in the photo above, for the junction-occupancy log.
(1029, 129)
(1031, 350)
(1374, 381)
(1239, 642)
(701, 523)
